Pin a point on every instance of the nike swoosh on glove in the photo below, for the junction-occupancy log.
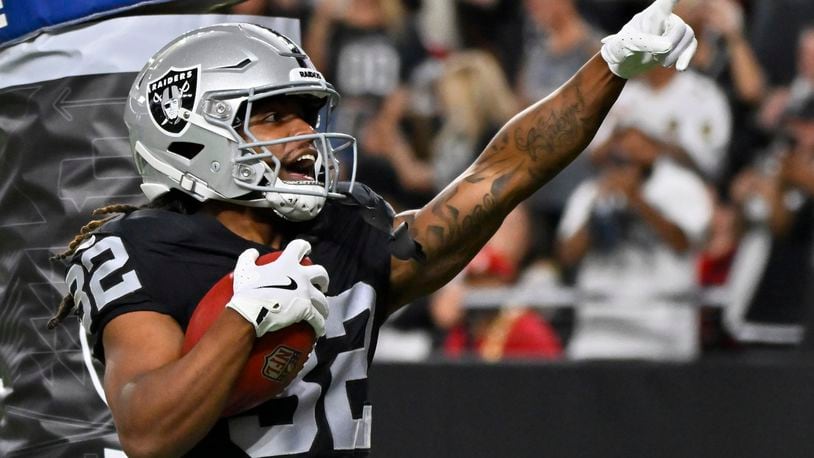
(283, 292)
(654, 36)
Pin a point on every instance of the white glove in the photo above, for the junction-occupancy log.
(654, 36)
(282, 292)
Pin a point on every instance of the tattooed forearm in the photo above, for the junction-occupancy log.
(552, 131)
(451, 227)
(545, 137)
(530, 149)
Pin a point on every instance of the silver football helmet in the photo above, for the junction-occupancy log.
(188, 116)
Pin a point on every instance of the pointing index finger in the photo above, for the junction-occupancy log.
(654, 18)
(664, 7)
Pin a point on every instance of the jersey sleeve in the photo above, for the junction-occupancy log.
(109, 276)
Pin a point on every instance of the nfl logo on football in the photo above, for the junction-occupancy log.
(280, 362)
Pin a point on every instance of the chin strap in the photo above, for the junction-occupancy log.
(294, 206)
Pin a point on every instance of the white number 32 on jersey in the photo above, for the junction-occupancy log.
(101, 260)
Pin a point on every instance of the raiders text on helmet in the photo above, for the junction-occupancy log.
(188, 116)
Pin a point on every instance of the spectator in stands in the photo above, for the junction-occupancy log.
(802, 86)
(507, 330)
(724, 53)
(687, 113)
(726, 56)
(367, 48)
(475, 100)
(437, 26)
(494, 26)
(714, 264)
(558, 41)
(391, 164)
(772, 273)
(277, 8)
(632, 232)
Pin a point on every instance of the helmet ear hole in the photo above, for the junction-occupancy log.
(185, 149)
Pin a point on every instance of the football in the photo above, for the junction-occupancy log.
(276, 358)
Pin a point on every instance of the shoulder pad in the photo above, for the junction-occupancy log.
(375, 210)
(148, 225)
(379, 214)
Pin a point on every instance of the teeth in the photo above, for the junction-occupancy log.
(306, 157)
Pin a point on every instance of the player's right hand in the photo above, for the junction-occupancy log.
(654, 36)
(283, 292)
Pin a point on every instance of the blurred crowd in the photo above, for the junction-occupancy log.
(684, 230)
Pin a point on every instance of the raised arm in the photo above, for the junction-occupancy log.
(726, 17)
(530, 149)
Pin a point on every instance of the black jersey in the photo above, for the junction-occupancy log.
(164, 261)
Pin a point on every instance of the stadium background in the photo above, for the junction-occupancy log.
(63, 152)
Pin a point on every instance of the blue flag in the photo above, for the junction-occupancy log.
(20, 20)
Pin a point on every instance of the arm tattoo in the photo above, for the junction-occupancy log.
(527, 152)
(530, 149)
(553, 139)
(543, 141)
(477, 223)
(552, 131)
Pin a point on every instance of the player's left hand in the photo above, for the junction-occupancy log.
(654, 36)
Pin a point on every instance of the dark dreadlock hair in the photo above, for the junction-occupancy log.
(174, 200)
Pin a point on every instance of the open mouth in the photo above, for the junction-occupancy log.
(301, 168)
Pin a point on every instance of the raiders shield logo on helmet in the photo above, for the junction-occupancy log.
(171, 96)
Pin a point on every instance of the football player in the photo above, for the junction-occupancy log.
(248, 166)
